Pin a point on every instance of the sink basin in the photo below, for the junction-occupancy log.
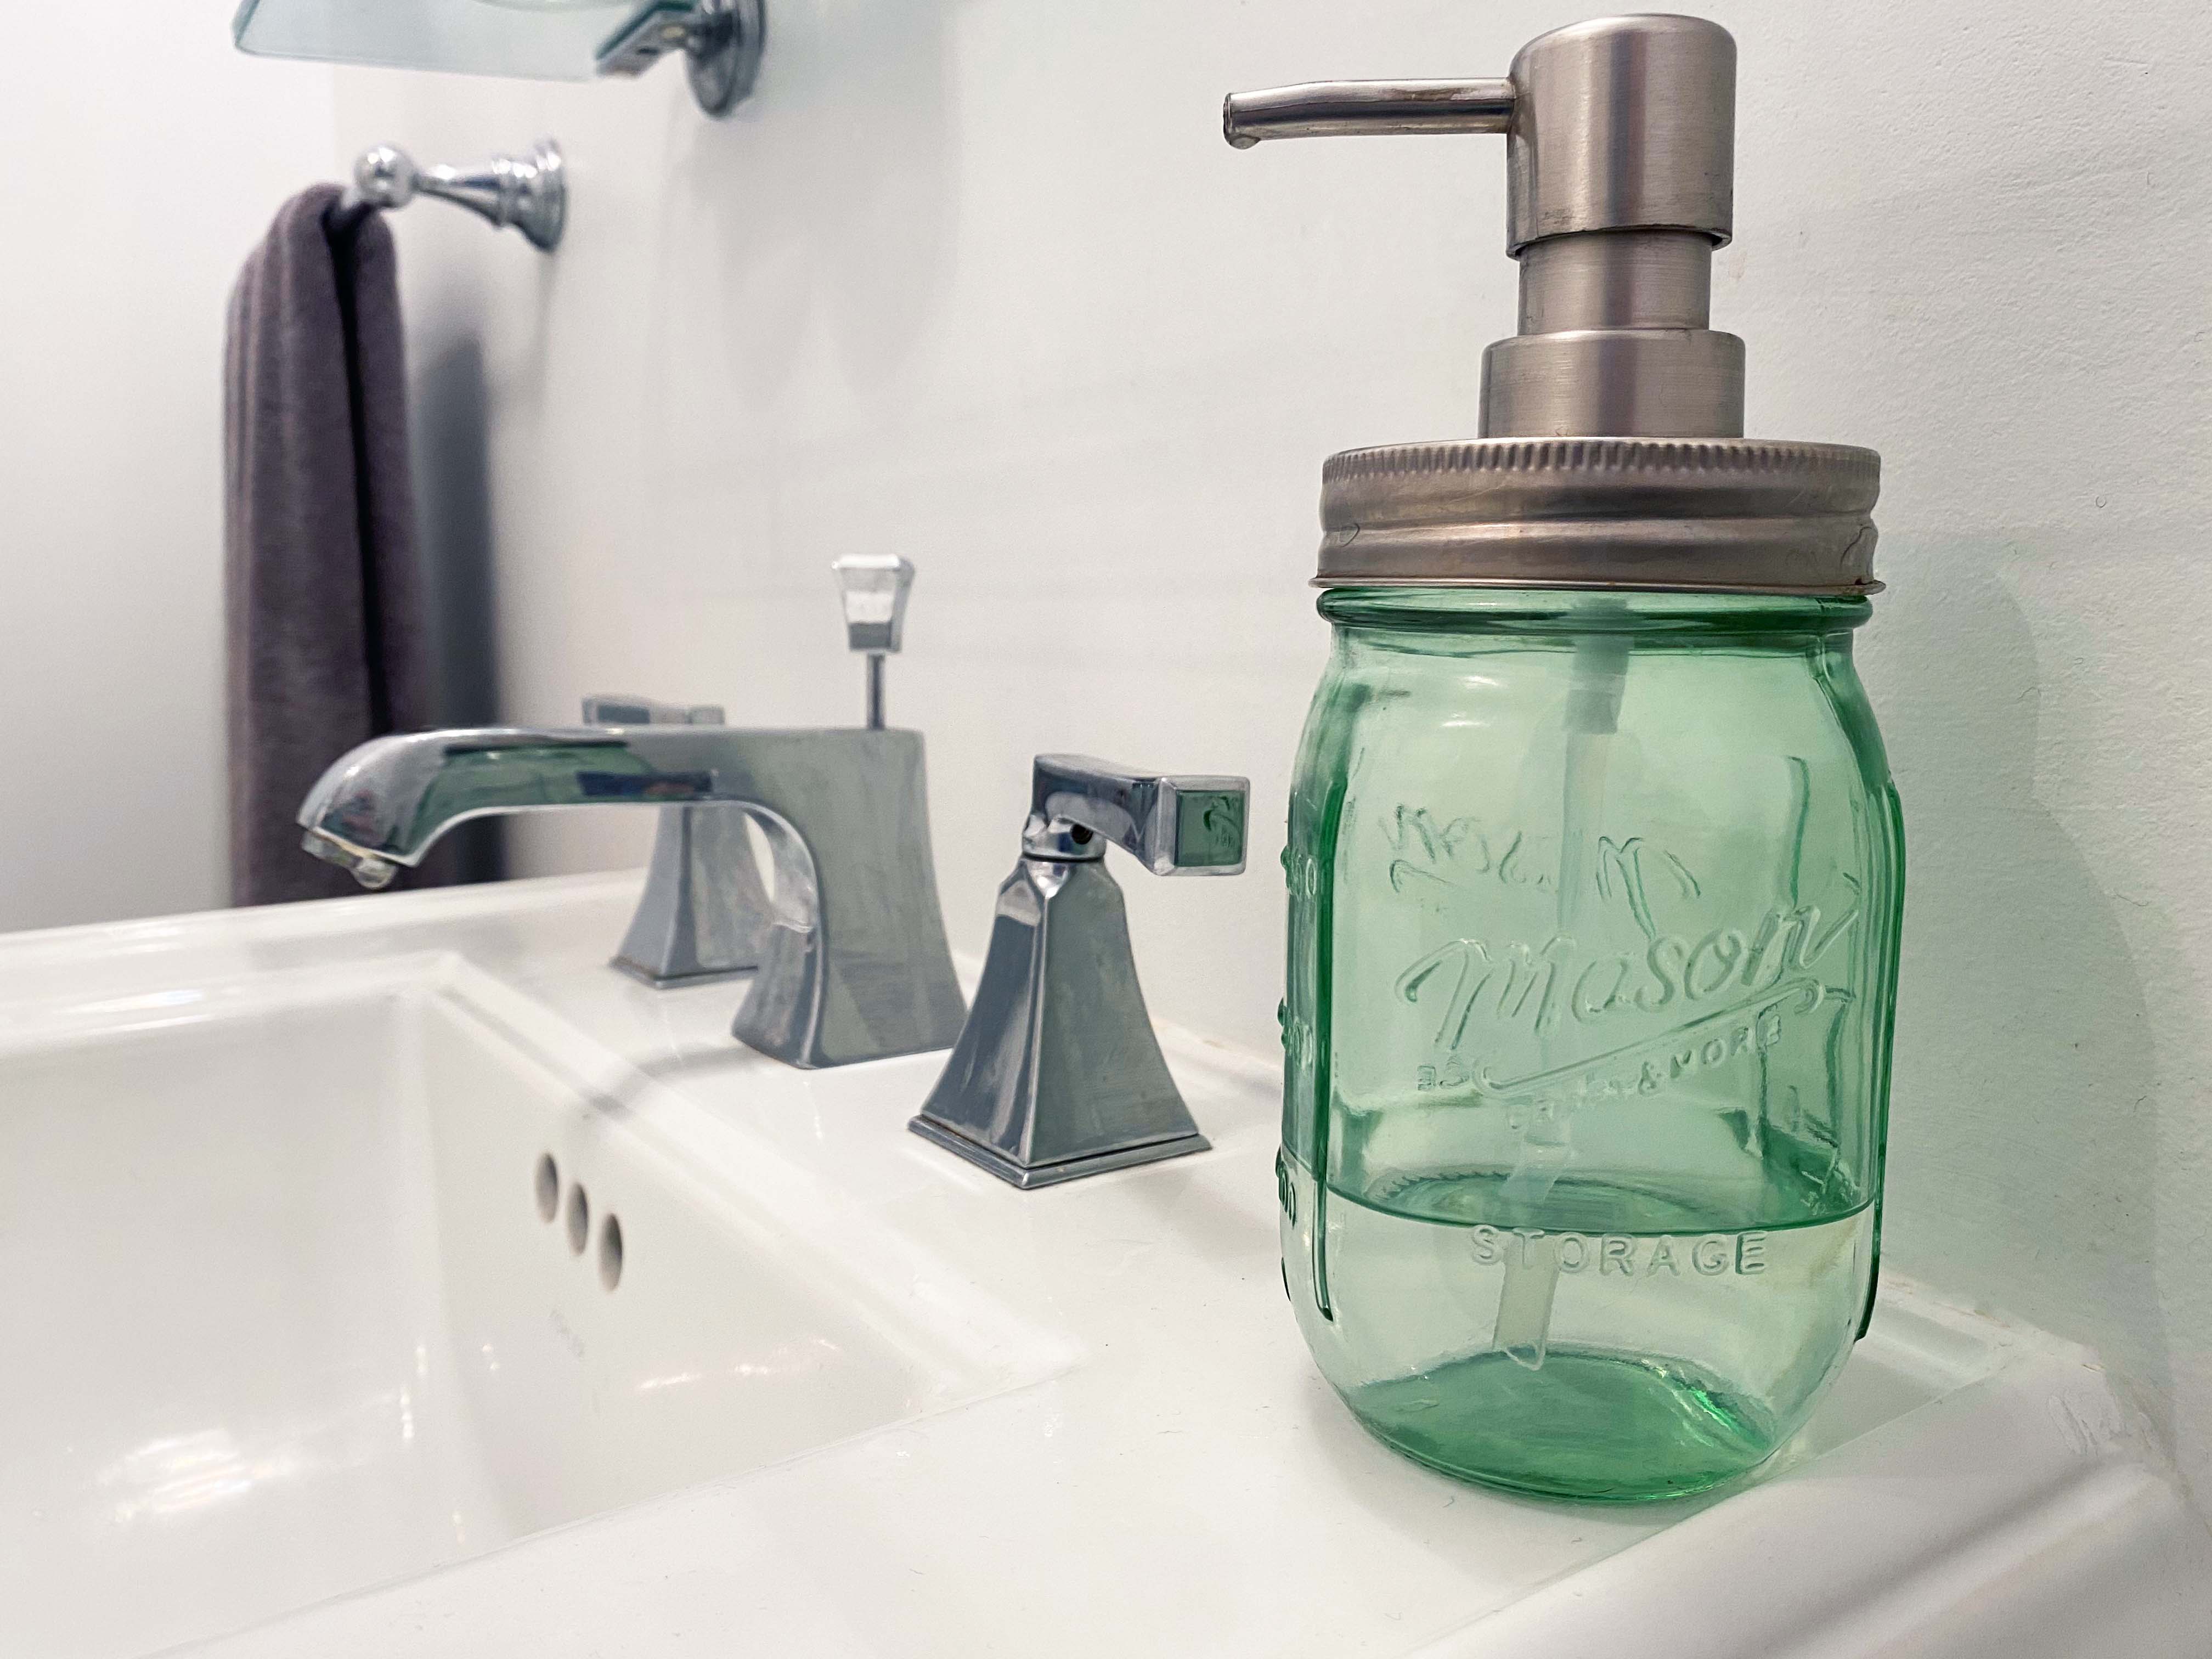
(302, 1356)
(327, 1278)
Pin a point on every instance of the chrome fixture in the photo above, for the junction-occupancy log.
(530, 194)
(721, 40)
(1611, 452)
(874, 586)
(855, 965)
(850, 948)
(704, 913)
(1057, 1074)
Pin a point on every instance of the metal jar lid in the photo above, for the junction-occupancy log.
(1710, 514)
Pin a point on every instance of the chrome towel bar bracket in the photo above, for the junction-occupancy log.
(529, 193)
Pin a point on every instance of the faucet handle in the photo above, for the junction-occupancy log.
(874, 586)
(621, 709)
(1173, 825)
(1057, 1072)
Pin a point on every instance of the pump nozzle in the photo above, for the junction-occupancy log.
(1338, 109)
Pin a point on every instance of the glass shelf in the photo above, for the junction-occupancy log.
(533, 39)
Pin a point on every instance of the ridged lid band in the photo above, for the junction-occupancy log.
(1699, 514)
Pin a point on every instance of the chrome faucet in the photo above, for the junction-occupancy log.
(1057, 1074)
(853, 962)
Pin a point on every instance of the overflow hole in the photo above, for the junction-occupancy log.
(580, 1219)
(611, 1252)
(549, 1188)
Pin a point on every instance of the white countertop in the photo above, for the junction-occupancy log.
(1181, 1480)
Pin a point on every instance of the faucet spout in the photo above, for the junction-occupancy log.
(856, 965)
(369, 869)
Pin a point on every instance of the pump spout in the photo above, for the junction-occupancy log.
(1339, 109)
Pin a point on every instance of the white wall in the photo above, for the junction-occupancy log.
(978, 282)
(142, 159)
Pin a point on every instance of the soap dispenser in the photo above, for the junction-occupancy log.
(1595, 862)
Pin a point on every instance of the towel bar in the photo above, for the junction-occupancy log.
(530, 194)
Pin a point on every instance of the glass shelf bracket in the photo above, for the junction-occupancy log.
(721, 40)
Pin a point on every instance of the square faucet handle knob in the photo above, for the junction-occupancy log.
(874, 588)
(1174, 825)
(622, 708)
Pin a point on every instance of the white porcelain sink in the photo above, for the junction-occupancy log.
(326, 1278)
(293, 1359)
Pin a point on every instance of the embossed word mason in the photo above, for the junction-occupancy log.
(1539, 985)
(1629, 1254)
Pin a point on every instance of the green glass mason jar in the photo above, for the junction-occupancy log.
(1594, 907)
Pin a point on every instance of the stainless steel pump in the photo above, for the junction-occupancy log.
(1611, 449)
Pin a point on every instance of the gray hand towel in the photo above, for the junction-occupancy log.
(324, 594)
